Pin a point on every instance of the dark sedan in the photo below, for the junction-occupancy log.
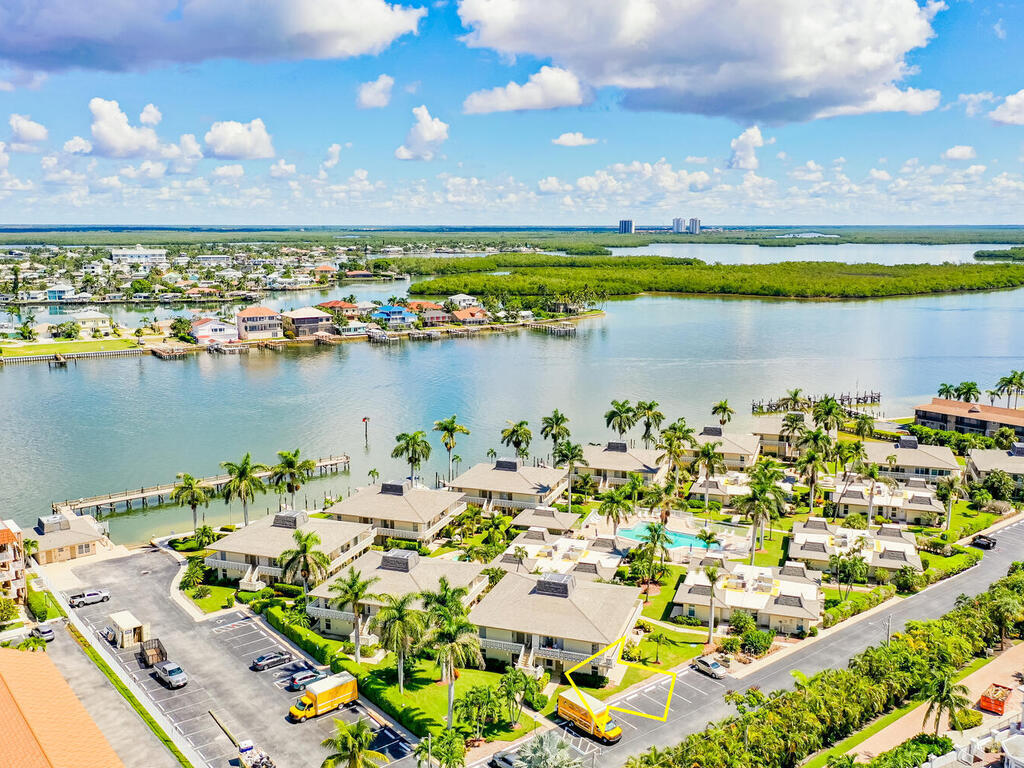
(269, 660)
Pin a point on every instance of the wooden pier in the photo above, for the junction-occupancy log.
(169, 353)
(562, 328)
(61, 359)
(849, 401)
(158, 494)
(229, 349)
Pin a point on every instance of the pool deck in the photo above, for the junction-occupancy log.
(685, 526)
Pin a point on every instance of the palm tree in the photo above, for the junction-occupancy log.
(353, 590)
(400, 626)
(32, 644)
(864, 426)
(306, 560)
(445, 598)
(709, 537)
(291, 471)
(947, 391)
(811, 464)
(349, 747)
(658, 638)
(708, 462)
(243, 482)
(621, 417)
(673, 444)
(203, 536)
(828, 414)
(949, 489)
(793, 429)
(28, 548)
(840, 761)
(450, 750)
(647, 412)
(1006, 609)
(520, 554)
(944, 696)
(873, 473)
(723, 412)
(759, 504)
(449, 428)
(632, 487)
(455, 644)
(967, 391)
(661, 498)
(712, 574)
(571, 455)
(373, 474)
(518, 436)
(549, 750)
(657, 540)
(794, 400)
(614, 508)
(555, 428)
(189, 493)
(414, 448)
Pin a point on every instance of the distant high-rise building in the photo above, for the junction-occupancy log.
(626, 227)
(694, 227)
(678, 225)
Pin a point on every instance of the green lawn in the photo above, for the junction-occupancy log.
(660, 605)
(848, 744)
(425, 704)
(215, 601)
(67, 347)
(774, 552)
(443, 551)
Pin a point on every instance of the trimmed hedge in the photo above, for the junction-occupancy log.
(37, 603)
(915, 751)
(856, 603)
(965, 720)
(288, 590)
(320, 649)
(415, 546)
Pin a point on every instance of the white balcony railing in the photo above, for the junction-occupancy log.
(319, 612)
(501, 645)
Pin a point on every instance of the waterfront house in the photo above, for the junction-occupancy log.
(346, 309)
(212, 330)
(397, 572)
(401, 510)
(969, 418)
(550, 519)
(92, 322)
(251, 553)
(435, 317)
(471, 316)
(419, 306)
(611, 464)
(59, 292)
(914, 503)
(325, 270)
(738, 450)
(357, 274)
(887, 548)
(353, 328)
(982, 462)
(510, 484)
(139, 255)
(365, 308)
(44, 723)
(12, 561)
(908, 459)
(786, 599)
(463, 300)
(555, 621)
(259, 323)
(392, 316)
(307, 321)
(68, 537)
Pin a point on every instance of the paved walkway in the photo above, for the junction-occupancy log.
(999, 670)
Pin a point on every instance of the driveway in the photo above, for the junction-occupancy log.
(216, 655)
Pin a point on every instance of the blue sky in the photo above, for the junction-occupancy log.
(754, 111)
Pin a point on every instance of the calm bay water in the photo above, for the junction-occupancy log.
(104, 425)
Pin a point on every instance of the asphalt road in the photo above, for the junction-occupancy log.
(216, 654)
(699, 699)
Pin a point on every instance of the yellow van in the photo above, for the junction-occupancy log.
(324, 696)
(572, 705)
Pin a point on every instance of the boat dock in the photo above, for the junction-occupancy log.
(562, 328)
(158, 494)
(848, 400)
(168, 353)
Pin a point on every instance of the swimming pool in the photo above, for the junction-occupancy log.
(637, 533)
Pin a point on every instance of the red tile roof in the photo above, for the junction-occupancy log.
(335, 304)
(1013, 416)
(7, 536)
(258, 312)
(419, 306)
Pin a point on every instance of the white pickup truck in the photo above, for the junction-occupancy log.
(88, 598)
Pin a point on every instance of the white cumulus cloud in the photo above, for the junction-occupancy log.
(114, 136)
(744, 149)
(1011, 111)
(973, 103)
(746, 59)
(574, 139)
(76, 145)
(242, 141)
(552, 184)
(876, 174)
(281, 169)
(376, 93)
(24, 130)
(959, 152)
(150, 115)
(228, 172)
(424, 138)
(549, 88)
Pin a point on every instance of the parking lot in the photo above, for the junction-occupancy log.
(216, 655)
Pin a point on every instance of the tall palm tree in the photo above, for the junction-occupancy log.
(621, 417)
(811, 464)
(445, 598)
(243, 482)
(291, 472)
(656, 537)
(660, 497)
(306, 560)
(708, 462)
(189, 493)
(520, 554)
(968, 391)
(349, 747)
(828, 414)
(414, 448)
(632, 488)
(949, 489)
(400, 626)
(675, 439)
(555, 428)
(28, 548)
(647, 412)
(517, 435)
(455, 643)
(819, 440)
(713, 575)
(723, 411)
(947, 391)
(353, 590)
(759, 504)
(571, 455)
(614, 508)
(944, 696)
(873, 474)
(864, 426)
(792, 429)
(449, 428)
(794, 400)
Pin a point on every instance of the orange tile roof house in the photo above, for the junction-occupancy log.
(971, 418)
(471, 316)
(419, 306)
(44, 723)
(259, 323)
(347, 309)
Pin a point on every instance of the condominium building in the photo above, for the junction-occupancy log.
(694, 227)
(970, 418)
(12, 561)
(138, 255)
(259, 323)
(679, 225)
(511, 484)
(547, 518)
(401, 510)
(738, 450)
(914, 503)
(626, 227)
(251, 553)
(983, 462)
(908, 459)
(613, 463)
(887, 548)
(536, 550)
(555, 621)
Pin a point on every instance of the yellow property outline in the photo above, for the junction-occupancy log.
(621, 643)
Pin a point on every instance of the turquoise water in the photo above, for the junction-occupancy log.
(637, 533)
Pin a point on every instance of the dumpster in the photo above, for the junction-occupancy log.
(994, 699)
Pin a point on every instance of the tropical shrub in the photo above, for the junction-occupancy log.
(731, 644)
(741, 622)
(965, 720)
(757, 642)
(285, 590)
(37, 604)
(200, 592)
(915, 751)
(856, 603)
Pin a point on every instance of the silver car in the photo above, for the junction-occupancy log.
(171, 673)
(710, 667)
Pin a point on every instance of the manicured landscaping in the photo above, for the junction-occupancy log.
(660, 605)
(68, 347)
(773, 554)
(215, 601)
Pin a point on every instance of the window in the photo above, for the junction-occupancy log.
(327, 624)
(83, 549)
